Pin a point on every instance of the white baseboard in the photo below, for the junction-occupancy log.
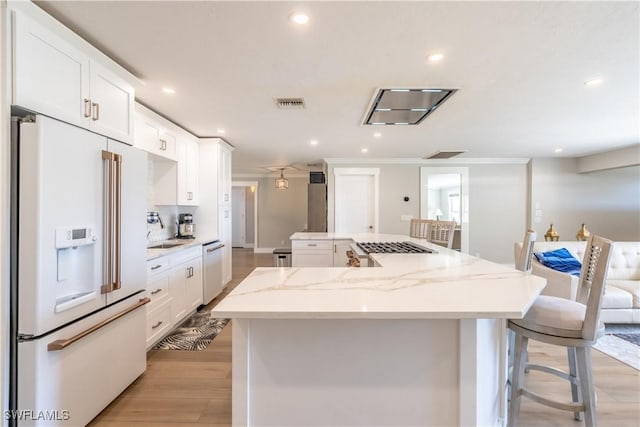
(263, 250)
(249, 245)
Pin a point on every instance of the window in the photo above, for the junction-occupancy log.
(454, 207)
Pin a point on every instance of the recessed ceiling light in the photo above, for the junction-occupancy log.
(313, 142)
(593, 82)
(364, 150)
(222, 131)
(169, 90)
(377, 135)
(401, 123)
(558, 150)
(378, 123)
(435, 57)
(299, 18)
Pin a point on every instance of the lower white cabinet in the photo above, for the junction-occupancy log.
(174, 284)
(312, 253)
(340, 248)
(320, 253)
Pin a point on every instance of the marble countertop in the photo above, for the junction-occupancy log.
(444, 285)
(184, 244)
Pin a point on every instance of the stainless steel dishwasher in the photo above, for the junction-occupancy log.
(212, 268)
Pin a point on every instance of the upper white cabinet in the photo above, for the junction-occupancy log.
(188, 172)
(224, 174)
(111, 104)
(152, 135)
(52, 76)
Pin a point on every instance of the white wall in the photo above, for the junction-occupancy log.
(497, 203)
(250, 211)
(281, 212)
(607, 201)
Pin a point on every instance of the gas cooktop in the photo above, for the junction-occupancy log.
(393, 248)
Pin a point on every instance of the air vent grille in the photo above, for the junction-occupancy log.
(444, 154)
(290, 103)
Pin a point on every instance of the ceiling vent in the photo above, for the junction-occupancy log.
(444, 154)
(290, 103)
(405, 106)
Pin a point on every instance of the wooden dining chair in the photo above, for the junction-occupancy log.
(419, 228)
(441, 233)
(571, 324)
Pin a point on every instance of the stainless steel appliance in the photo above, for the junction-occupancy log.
(186, 227)
(359, 252)
(212, 268)
(78, 274)
(393, 248)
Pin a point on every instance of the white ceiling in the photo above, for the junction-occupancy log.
(520, 68)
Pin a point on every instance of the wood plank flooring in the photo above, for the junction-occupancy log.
(193, 388)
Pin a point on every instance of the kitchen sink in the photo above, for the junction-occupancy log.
(165, 245)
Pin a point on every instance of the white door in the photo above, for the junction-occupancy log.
(356, 202)
(238, 223)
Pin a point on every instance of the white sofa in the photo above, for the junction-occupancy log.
(621, 302)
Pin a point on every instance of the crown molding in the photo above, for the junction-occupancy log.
(419, 161)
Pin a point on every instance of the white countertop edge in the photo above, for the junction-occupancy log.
(157, 253)
(296, 315)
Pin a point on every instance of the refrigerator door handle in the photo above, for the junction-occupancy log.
(108, 286)
(62, 344)
(117, 159)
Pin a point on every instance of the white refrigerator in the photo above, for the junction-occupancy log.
(78, 314)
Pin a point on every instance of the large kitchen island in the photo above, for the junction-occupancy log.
(418, 341)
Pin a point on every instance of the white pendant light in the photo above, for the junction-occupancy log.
(282, 183)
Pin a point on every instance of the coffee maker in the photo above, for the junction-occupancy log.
(185, 226)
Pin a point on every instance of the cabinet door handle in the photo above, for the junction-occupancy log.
(156, 291)
(189, 195)
(312, 244)
(96, 111)
(157, 324)
(226, 197)
(87, 107)
(155, 267)
(163, 145)
(335, 249)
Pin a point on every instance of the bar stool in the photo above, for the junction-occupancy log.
(571, 324)
(419, 228)
(441, 233)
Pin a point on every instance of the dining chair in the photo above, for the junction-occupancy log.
(572, 324)
(441, 233)
(419, 228)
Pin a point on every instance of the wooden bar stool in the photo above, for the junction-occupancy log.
(419, 228)
(441, 233)
(571, 324)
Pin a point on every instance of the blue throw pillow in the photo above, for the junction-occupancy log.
(560, 260)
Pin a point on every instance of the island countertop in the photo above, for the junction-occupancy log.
(443, 285)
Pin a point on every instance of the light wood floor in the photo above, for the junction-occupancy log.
(193, 388)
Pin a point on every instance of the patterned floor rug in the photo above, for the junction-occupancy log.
(195, 333)
(622, 342)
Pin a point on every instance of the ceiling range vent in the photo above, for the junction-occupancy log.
(405, 106)
(290, 103)
(444, 154)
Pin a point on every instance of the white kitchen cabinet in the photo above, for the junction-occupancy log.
(193, 289)
(340, 248)
(224, 173)
(224, 234)
(152, 136)
(185, 282)
(312, 253)
(50, 76)
(188, 172)
(111, 104)
(159, 320)
(53, 77)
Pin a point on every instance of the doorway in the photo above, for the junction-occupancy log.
(244, 214)
(444, 195)
(356, 200)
